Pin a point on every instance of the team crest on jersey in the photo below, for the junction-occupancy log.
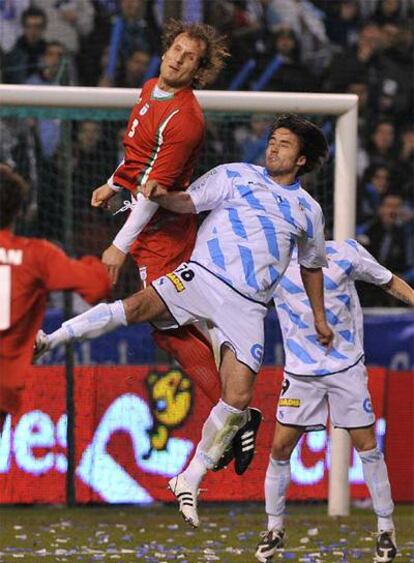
(144, 109)
(177, 283)
(295, 403)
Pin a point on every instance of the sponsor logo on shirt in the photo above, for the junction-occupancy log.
(289, 403)
(177, 283)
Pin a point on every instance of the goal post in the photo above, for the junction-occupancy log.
(341, 106)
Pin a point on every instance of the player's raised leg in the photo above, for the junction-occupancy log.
(140, 307)
(376, 478)
(224, 420)
(276, 484)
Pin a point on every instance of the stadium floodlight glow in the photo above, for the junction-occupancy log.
(343, 106)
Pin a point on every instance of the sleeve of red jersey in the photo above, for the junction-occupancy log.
(182, 140)
(87, 276)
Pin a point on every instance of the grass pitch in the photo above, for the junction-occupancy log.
(156, 534)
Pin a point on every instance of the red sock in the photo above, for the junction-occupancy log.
(194, 353)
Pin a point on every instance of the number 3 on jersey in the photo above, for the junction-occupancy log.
(5, 297)
(134, 125)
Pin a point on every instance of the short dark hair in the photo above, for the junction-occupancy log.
(13, 190)
(33, 12)
(216, 49)
(313, 144)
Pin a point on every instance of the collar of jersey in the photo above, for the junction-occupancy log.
(294, 186)
(161, 98)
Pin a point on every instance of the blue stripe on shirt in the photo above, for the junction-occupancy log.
(270, 234)
(232, 173)
(216, 253)
(299, 352)
(294, 317)
(248, 266)
(290, 287)
(251, 199)
(284, 207)
(236, 224)
(329, 283)
(346, 266)
(332, 352)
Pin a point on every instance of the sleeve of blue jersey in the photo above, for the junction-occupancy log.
(365, 267)
(211, 190)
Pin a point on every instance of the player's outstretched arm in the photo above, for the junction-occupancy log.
(399, 289)
(312, 279)
(114, 256)
(178, 202)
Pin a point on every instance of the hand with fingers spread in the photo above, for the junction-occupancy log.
(113, 259)
(101, 196)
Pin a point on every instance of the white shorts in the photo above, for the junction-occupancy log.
(191, 293)
(304, 401)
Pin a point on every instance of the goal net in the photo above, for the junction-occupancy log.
(66, 141)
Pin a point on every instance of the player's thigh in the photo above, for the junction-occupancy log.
(284, 440)
(239, 325)
(237, 380)
(146, 305)
(350, 403)
(303, 403)
(191, 294)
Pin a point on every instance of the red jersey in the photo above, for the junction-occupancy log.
(162, 142)
(29, 270)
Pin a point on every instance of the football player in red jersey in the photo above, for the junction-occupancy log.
(162, 143)
(29, 269)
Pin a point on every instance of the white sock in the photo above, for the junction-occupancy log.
(96, 321)
(276, 483)
(218, 431)
(385, 524)
(376, 479)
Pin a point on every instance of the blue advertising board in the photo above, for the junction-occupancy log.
(389, 342)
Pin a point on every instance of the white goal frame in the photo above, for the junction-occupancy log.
(343, 106)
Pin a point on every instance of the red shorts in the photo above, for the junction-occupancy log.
(162, 251)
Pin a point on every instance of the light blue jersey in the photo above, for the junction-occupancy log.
(348, 261)
(254, 225)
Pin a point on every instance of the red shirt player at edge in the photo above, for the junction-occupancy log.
(162, 144)
(29, 269)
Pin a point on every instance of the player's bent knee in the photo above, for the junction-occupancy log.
(239, 399)
(145, 305)
(282, 450)
(363, 440)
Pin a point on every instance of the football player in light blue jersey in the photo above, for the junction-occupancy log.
(315, 379)
(258, 216)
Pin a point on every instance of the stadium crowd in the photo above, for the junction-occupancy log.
(363, 47)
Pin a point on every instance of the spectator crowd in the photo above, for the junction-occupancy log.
(364, 47)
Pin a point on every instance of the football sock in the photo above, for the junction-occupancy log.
(376, 478)
(218, 431)
(276, 483)
(96, 321)
(194, 353)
